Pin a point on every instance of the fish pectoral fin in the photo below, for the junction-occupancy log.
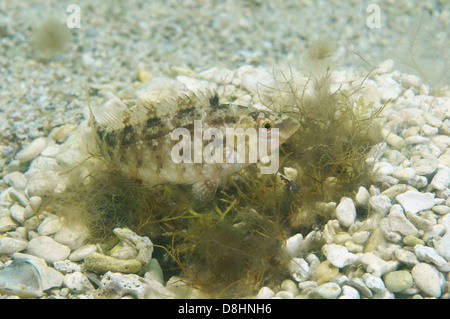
(204, 191)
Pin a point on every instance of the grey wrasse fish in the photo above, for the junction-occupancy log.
(138, 141)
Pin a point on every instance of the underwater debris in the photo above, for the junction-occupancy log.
(50, 38)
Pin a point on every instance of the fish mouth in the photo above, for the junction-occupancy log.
(287, 128)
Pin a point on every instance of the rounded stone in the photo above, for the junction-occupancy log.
(325, 272)
(427, 279)
(397, 281)
(48, 249)
(329, 290)
(11, 245)
(346, 212)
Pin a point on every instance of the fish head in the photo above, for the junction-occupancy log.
(274, 124)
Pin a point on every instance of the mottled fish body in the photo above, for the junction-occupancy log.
(138, 142)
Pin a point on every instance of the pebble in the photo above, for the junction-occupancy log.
(373, 264)
(17, 213)
(77, 283)
(397, 281)
(346, 212)
(32, 150)
(394, 190)
(325, 272)
(374, 283)
(7, 224)
(379, 204)
(441, 180)
(359, 284)
(338, 255)
(427, 279)
(265, 293)
(328, 290)
(49, 226)
(81, 252)
(349, 292)
(425, 166)
(66, 266)
(299, 269)
(11, 245)
(443, 246)
(411, 240)
(441, 209)
(404, 174)
(362, 197)
(429, 254)
(73, 236)
(293, 245)
(406, 257)
(48, 249)
(414, 202)
(16, 179)
(399, 223)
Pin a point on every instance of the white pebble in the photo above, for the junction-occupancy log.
(379, 204)
(83, 251)
(49, 226)
(441, 180)
(429, 254)
(293, 245)
(16, 179)
(328, 290)
(414, 202)
(11, 245)
(425, 166)
(349, 292)
(399, 223)
(338, 255)
(443, 246)
(346, 212)
(77, 283)
(32, 150)
(383, 168)
(17, 213)
(406, 257)
(73, 236)
(47, 248)
(427, 279)
(374, 283)
(404, 174)
(299, 269)
(373, 264)
(362, 197)
(265, 293)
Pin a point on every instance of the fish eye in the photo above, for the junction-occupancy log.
(266, 124)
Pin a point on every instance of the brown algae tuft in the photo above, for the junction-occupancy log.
(50, 38)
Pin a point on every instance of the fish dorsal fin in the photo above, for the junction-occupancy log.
(183, 100)
(112, 116)
(115, 115)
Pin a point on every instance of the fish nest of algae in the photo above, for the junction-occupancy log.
(233, 245)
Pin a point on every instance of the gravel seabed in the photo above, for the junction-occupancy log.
(402, 251)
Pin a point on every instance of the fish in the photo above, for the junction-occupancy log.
(138, 142)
